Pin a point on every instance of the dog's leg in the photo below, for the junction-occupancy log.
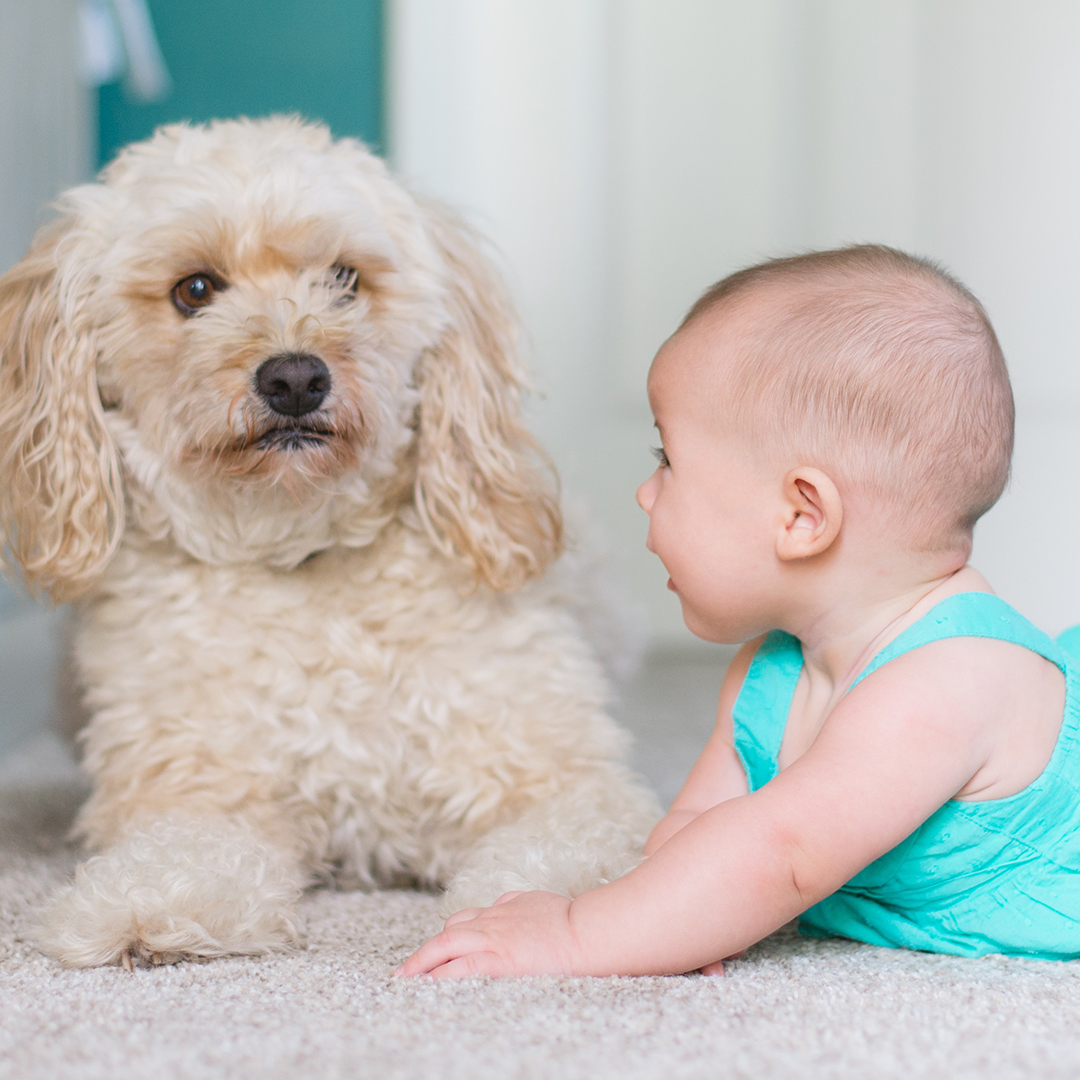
(178, 887)
(590, 833)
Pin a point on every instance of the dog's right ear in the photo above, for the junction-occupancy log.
(61, 500)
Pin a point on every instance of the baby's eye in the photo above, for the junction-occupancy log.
(661, 456)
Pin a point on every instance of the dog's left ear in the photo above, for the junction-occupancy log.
(484, 488)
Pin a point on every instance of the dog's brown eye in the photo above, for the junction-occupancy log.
(194, 292)
(346, 278)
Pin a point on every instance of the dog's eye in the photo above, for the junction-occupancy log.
(194, 292)
(345, 278)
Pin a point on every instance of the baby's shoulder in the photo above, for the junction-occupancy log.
(1003, 701)
(962, 666)
(967, 654)
(963, 637)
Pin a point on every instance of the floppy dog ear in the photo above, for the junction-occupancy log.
(484, 488)
(61, 501)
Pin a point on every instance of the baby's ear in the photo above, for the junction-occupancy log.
(814, 513)
(61, 501)
(484, 489)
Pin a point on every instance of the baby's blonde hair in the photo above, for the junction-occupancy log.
(883, 370)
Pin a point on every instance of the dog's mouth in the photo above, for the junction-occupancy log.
(292, 437)
(281, 448)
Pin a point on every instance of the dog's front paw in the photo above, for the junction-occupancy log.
(182, 888)
(589, 834)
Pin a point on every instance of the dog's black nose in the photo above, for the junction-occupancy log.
(293, 383)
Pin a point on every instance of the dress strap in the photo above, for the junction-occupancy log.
(761, 710)
(970, 614)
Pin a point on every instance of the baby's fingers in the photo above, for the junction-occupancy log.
(471, 965)
(464, 915)
(439, 950)
(717, 966)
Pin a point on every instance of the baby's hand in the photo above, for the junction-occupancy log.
(521, 934)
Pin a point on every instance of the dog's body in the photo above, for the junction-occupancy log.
(261, 418)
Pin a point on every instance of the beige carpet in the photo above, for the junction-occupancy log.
(792, 1008)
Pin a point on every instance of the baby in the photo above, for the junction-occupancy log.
(895, 753)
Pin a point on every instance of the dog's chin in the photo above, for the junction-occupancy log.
(292, 439)
(296, 452)
(288, 453)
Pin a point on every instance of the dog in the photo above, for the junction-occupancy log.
(261, 421)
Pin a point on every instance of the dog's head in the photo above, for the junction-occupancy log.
(271, 346)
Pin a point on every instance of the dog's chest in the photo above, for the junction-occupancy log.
(333, 666)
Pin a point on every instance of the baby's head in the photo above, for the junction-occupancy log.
(878, 368)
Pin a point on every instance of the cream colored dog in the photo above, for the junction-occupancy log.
(259, 417)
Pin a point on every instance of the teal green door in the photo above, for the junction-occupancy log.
(320, 58)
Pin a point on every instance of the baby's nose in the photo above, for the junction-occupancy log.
(646, 494)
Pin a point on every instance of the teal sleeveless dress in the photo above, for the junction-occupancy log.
(997, 876)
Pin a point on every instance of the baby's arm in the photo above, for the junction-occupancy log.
(718, 773)
(898, 747)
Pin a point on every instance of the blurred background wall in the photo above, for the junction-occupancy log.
(624, 154)
(47, 142)
(47, 136)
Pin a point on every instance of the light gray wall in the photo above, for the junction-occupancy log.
(45, 115)
(624, 154)
(45, 146)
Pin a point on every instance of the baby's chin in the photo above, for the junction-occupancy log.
(700, 626)
(716, 629)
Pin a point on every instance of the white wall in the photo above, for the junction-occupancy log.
(46, 137)
(46, 141)
(624, 154)
(999, 190)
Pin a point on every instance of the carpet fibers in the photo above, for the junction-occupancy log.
(792, 1007)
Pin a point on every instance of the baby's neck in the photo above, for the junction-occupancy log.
(840, 638)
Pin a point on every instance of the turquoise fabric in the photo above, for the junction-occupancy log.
(997, 876)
